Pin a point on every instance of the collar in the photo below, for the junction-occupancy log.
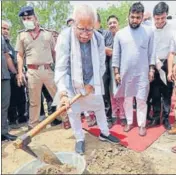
(100, 30)
(40, 28)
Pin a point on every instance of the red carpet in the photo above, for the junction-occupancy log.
(131, 139)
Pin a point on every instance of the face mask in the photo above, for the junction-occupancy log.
(29, 25)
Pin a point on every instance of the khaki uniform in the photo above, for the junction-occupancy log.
(38, 57)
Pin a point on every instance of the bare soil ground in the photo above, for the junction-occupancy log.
(101, 157)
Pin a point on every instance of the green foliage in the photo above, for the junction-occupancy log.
(51, 14)
(121, 11)
(10, 10)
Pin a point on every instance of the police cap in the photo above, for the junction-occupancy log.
(26, 11)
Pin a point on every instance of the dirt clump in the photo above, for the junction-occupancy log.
(57, 169)
(118, 159)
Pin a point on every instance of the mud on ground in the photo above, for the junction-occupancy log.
(101, 157)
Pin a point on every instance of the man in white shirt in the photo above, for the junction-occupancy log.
(161, 89)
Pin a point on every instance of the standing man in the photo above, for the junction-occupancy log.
(37, 46)
(108, 39)
(113, 24)
(133, 66)
(17, 110)
(160, 87)
(116, 103)
(6, 63)
(80, 66)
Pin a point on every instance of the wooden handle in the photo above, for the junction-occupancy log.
(49, 119)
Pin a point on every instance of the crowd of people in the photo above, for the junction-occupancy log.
(115, 71)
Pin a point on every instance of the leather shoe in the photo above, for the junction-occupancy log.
(127, 128)
(8, 137)
(80, 147)
(166, 124)
(142, 131)
(153, 123)
(172, 131)
(56, 122)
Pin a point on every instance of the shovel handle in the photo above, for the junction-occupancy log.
(19, 142)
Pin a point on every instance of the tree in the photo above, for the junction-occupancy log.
(121, 11)
(52, 14)
(10, 10)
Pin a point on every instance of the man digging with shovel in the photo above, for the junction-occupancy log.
(80, 65)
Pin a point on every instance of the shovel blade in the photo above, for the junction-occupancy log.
(45, 155)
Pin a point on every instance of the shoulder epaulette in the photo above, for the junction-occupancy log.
(23, 30)
(42, 28)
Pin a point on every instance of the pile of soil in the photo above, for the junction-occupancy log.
(57, 169)
(117, 159)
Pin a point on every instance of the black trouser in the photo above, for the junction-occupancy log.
(49, 101)
(18, 102)
(159, 91)
(106, 96)
(42, 112)
(149, 102)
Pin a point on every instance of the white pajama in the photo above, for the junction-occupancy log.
(88, 103)
(141, 111)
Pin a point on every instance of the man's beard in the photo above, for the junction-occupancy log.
(134, 26)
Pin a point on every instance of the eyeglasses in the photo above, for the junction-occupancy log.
(82, 30)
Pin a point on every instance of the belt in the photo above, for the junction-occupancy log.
(34, 66)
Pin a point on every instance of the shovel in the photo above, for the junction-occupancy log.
(43, 153)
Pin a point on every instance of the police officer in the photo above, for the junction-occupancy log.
(37, 45)
(17, 110)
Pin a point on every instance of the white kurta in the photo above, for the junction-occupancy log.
(64, 77)
(133, 54)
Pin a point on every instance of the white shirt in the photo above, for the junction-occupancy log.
(162, 38)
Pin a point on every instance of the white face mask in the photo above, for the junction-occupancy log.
(29, 25)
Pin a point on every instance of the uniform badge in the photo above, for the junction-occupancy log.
(25, 13)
